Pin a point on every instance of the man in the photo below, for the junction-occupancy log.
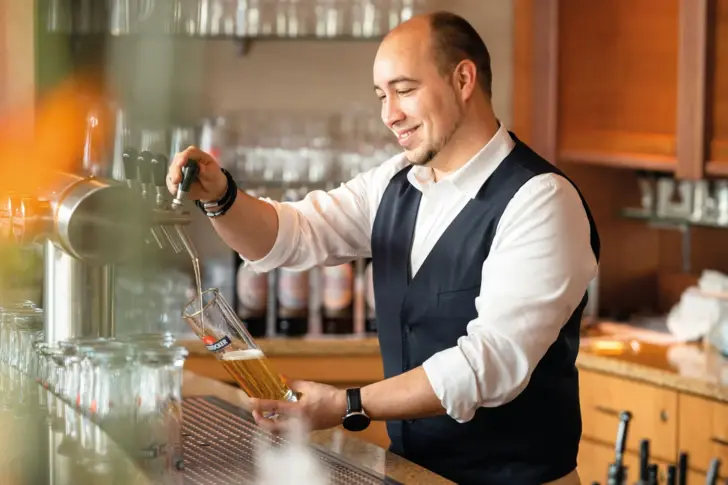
(482, 254)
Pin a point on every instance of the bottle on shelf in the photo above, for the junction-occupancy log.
(251, 298)
(292, 295)
(337, 299)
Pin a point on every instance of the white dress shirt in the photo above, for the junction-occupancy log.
(539, 266)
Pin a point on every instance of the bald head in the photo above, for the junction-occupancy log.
(447, 39)
(433, 83)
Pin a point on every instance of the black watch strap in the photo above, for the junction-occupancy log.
(353, 400)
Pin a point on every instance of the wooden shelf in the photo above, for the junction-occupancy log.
(618, 77)
(629, 161)
(718, 84)
(717, 168)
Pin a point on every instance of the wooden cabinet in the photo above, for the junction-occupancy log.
(653, 409)
(673, 421)
(704, 431)
(617, 80)
(718, 90)
(636, 84)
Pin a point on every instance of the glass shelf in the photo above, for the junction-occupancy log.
(676, 222)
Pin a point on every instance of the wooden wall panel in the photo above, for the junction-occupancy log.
(618, 65)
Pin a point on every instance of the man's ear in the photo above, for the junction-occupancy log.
(465, 78)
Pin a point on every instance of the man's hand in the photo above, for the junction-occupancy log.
(320, 406)
(211, 183)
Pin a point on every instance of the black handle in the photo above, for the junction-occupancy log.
(159, 170)
(652, 474)
(624, 418)
(671, 474)
(189, 174)
(145, 167)
(129, 158)
(682, 469)
(644, 460)
(712, 477)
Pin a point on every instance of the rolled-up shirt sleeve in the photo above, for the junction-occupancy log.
(536, 273)
(328, 227)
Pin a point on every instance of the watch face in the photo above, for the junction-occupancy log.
(356, 422)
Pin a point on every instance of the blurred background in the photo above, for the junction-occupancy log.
(628, 97)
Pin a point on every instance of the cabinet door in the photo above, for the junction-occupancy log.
(703, 431)
(617, 82)
(718, 90)
(654, 412)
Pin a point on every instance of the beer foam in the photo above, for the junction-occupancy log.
(247, 354)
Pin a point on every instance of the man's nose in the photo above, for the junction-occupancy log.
(391, 113)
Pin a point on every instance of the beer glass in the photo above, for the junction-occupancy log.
(222, 332)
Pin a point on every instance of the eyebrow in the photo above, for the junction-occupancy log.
(397, 80)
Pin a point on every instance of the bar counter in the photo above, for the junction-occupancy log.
(351, 449)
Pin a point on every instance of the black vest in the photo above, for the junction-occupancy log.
(530, 440)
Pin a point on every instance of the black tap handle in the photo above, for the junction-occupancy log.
(129, 158)
(189, 174)
(145, 167)
(682, 469)
(671, 474)
(159, 170)
(712, 477)
(644, 460)
(652, 474)
(624, 418)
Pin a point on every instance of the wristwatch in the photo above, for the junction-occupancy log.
(355, 419)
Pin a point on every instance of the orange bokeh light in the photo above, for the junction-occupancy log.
(40, 140)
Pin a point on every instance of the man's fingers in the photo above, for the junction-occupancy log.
(271, 425)
(179, 161)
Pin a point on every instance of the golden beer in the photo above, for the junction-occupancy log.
(252, 371)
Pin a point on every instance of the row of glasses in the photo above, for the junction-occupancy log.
(21, 326)
(241, 18)
(289, 148)
(127, 389)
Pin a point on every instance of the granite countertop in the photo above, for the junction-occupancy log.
(349, 447)
(697, 369)
(693, 368)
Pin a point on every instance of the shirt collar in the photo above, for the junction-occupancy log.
(469, 178)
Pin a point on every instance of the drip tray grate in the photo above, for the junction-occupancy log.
(220, 442)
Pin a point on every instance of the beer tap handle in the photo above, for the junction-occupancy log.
(617, 474)
(131, 170)
(159, 173)
(712, 477)
(644, 460)
(144, 161)
(189, 175)
(682, 469)
(652, 474)
(671, 475)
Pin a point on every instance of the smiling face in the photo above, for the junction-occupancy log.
(420, 105)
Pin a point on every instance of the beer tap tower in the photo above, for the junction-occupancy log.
(87, 225)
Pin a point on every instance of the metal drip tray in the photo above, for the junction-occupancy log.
(220, 442)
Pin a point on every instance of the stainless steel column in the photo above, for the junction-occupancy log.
(77, 297)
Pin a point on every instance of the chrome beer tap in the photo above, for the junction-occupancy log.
(87, 226)
(159, 172)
